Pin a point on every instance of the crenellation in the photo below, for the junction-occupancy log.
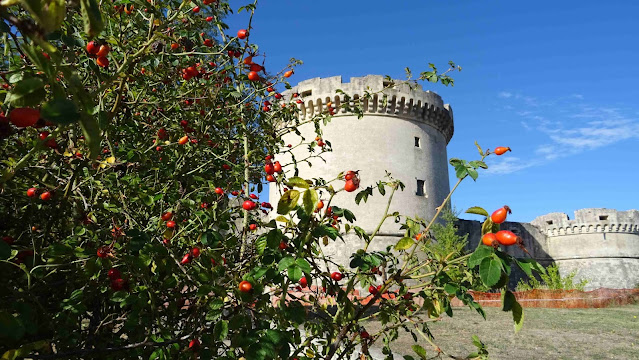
(402, 101)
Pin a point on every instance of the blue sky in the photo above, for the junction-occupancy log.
(556, 81)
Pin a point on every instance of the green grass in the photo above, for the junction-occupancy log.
(610, 333)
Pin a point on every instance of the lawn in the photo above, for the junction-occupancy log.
(609, 333)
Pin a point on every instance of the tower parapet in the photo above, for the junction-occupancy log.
(402, 100)
(590, 220)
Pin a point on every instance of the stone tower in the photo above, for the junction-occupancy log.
(405, 134)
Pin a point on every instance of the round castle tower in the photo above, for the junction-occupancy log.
(405, 135)
(602, 245)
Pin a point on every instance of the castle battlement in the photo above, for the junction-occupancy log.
(401, 101)
(590, 220)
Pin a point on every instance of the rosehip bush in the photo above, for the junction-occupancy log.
(133, 137)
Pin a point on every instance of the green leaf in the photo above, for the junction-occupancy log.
(296, 181)
(518, 316)
(478, 164)
(27, 92)
(273, 238)
(304, 265)
(490, 271)
(487, 226)
(5, 250)
(473, 173)
(534, 265)
(461, 171)
(380, 187)
(480, 253)
(481, 152)
(310, 199)
(93, 23)
(325, 230)
(451, 288)
(404, 243)
(477, 210)
(508, 300)
(295, 273)
(525, 266)
(48, 13)
(221, 330)
(285, 263)
(60, 111)
(420, 351)
(260, 245)
(91, 131)
(287, 202)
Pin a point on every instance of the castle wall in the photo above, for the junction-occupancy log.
(601, 245)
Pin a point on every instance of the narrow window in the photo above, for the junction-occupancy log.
(307, 93)
(420, 188)
(549, 222)
(603, 217)
(417, 144)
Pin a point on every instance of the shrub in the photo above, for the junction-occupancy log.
(552, 280)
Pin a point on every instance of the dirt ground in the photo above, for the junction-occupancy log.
(608, 333)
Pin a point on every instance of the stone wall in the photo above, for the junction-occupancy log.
(601, 245)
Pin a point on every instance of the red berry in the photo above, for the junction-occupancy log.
(114, 274)
(24, 117)
(500, 150)
(372, 289)
(253, 76)
(235, 193)
(32, 192)
(196, 9)
(103, 51)
(253, 196)
(499, 216)
(269, 169)
(277, 167)
(8, 239)
(253, 227)
(209, 18)
(186, 259)
(118, 284)
(364, 334)
(350, 186)
(167, 216)
(337, 276)
(219, 191)
(102, 61)
(170, 224)
(489, 239)
(507, 238)
(304, 282)
(45, 196)
(248, 205)
(103, 252)
(194, 344)
(283, 245)
(245, 286)
(242, 34)
(92, 47)
(195, 252)
(270, 178)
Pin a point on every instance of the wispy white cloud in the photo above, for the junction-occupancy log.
(508, 165)
(505, 95)
(568, 127)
